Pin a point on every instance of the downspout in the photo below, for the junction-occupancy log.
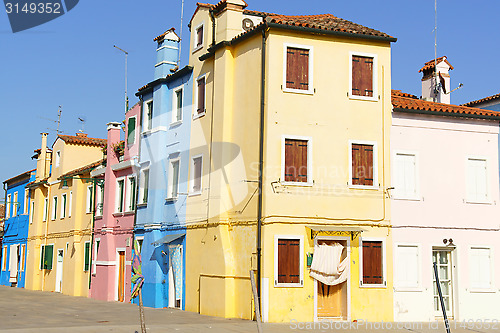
(94, 187)
(261, 162)
(212, 17)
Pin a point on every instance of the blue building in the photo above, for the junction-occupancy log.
(163, 182)
(487, 103)
(17, 216)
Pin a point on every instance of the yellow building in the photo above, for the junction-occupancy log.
(305, 99)
(59, 241)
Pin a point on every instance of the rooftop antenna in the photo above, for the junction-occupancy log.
(58, 121)
(180, 33)
(82, 121)
(437, 84)
(126, 95)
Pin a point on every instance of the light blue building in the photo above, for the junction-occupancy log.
(488, 103)
(164, 144)
(17, 216)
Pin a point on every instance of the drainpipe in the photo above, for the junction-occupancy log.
(261, 162)
(94, 188)
(212, 17)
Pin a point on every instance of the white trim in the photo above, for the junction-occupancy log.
(26, 201)
(375, 185)
(146, 127)
(310, 90)
(165, 62)
(492, 288)
(32, 211)
(7, 206)
(142, 187)
(174, 120)
(53, 215)
(488, 196)
(135, 131)
(348, 287)
(45, 209)
(105, 263)
(264, 299)
(167, 47)
(15, 204)
(128, 194)
(170, 178)
(301, 258)
(395, 265)
(384, 262)
(94, 255)
(197, 115)
(191, 180)
(197, 47)
(416, 154)
(374, 79)
(99, 171)
(88, 202)
(64, 203)
(70, 203)
(310, 181)
(57, 158)
(4, 258)
(117, 195)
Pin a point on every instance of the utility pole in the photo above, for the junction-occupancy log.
(126, 96)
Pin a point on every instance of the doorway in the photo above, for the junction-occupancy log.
(121, 276)
(443, 258)
(175, 276)
(59, 270)
(331, 302)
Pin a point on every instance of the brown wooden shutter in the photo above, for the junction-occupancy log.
(356, 75)
(362, 164)
(362, 76)
(372, 262)
(201, 95)
(297, 68)
(288, 261)
(199, 36)
(295, 160)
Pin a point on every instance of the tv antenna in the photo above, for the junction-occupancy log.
(81, 119)
(57, 122)
(180, 33)
(126, 95)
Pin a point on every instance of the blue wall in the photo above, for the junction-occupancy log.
(16, 228)
(161, 217)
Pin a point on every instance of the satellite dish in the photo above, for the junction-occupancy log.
(247, 24)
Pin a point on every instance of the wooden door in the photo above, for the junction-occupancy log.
(121, 276)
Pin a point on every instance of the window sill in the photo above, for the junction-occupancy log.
(478, 202)
(299, 91)
(363, 98)
(128, 213)
(412, 290)
(146, 132)
(363, 187)
(197, 48)
(485, 291)
(380, 286)
(194, 194)
(142, 205)
(171, 199)
(288, 285)
(98, 217)
(199, 114)
(117, 214)
(301, 184)
(407, 199)
(175, 123)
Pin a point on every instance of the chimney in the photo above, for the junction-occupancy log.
(43, 161)
(167, 52)
(114, 129)
(436, 80)
(229, 15)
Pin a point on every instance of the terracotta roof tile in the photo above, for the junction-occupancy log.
(430, 64)
(84, 169)
(402, 94)
(414, 104)
(162, 36)
(482, 100)
(82, 139)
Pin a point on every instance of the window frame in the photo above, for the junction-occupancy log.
(300, 284)
(375, 185)
(88, 261)
(197, 46)
(197, 114)
(468, 199)
(64, 202)
(192, 178)
(395, 194)
(120, 197)
(475, 289)
(384, 263)
(15, 203)
(8, 205)
(26, 201)
(309, 140)
(99, 199)
(42, 254)
(97, 242)
(57, 157)
(45, 209)
(310, 90)
(54, 208)
(22, 258)
(143, 187)
(31, 212)
(374, 76)
(397, 285)
(88, 199)
(171, 161)
(175, 120)
(4, 258)
(130, 194)
(135, 131)
(147, 124)
(70, 205)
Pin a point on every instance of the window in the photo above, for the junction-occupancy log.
(32, 211)
(372, 258)
(363, 169)
(144, 187)
(177, 105)
(47, 254)
(96, 250)
(45, 209)
(63, 205)
(120, 194)
(196, 174)
(198, 40)
(200, 96)
(131, 194)
(99, 197)
(296, 160)
(58, 158)
(86, 259)
(363, 76)
(477, 184)
(405, 176)
(480, 268)
(407, 266)
(298, 68)
(7, 206)
(148, 116)
(173, 179)
(54, 208)
(140, 240)
(26, 201)
(70, 203)
(131, 130)
(15, 205)
(288, 261)
(88, 201)
(22, 264)
(4, 258)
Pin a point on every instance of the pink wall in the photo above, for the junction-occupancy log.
(442, 146)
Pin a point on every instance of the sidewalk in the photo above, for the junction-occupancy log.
(35, 311)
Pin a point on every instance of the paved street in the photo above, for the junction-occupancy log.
(35, 311)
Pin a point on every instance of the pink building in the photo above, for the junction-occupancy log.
(445, 209)
(115, 209)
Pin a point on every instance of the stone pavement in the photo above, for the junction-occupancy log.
(35, 311)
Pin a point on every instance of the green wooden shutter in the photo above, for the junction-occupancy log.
(87, 257)
(47, 255)
(42, 258)
(131, 131)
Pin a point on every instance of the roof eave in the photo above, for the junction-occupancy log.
(447, 114)
(183, 71)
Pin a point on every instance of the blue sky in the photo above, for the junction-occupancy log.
(71, 61)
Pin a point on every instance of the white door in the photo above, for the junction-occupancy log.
(443, 260)
(14, 255)
(175, 275)
(171, 285)
(59, 270)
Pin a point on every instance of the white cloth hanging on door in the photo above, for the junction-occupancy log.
(327, 266)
